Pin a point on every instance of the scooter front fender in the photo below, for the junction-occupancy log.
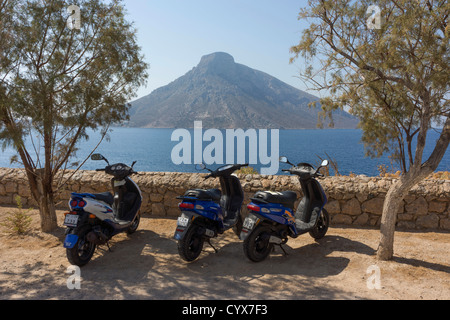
(70, 241)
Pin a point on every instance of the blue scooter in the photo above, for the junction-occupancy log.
(95, 218)
(271, 216)
(207, 213)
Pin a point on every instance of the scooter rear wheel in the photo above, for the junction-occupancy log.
(191, 245)
(83, 250)
(257, 246)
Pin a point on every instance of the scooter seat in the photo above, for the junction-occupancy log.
(106, 197)
(286, 198)
(202, 194)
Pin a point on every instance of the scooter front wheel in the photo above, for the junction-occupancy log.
(238, 226)
(134, 225)
(257, 246)
(191, 245)
(83, 250)
(321, 228)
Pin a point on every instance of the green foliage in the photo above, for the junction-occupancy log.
(394, 79)
(17, 221)
(247, 170)
(62, 81)
(56, 82)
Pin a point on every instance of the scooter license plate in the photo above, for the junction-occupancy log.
(71, 220)
(248, 223)
(183, 221)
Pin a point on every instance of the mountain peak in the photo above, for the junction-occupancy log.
(225, 94)
(216, 58)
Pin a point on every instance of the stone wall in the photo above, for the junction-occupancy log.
(351, 200)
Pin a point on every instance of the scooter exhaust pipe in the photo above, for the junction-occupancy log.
(275, 240)
(96, 237)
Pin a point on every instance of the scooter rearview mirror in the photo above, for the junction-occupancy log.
(284, 159)
(324, 163)
(200, 166)
(98, 156)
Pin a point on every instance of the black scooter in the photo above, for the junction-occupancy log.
(271, 219)
(94, 218)
(207, 213)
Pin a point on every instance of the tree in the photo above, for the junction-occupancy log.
(60, 78)
(389, 65)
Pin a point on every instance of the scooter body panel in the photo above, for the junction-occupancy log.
(272, 212)
(193, 208)
(280, 214)
(99, 208)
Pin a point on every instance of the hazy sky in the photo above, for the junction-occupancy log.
(175, 34)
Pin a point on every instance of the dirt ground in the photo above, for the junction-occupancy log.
(146, 265)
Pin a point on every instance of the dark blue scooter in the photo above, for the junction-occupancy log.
(207, 213)
(271, 216)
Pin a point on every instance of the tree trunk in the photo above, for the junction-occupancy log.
(416, 173)
(43, 194)
(47, 212)
(391, 206)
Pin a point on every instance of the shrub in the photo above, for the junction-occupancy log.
(19, 220)
(247, 170)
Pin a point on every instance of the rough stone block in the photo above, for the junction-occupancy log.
(428, 222)
(352, 207)
(374, 206)
(333, 207)
(418, 207)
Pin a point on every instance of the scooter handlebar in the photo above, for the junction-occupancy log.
(319, 174)
(218, 172)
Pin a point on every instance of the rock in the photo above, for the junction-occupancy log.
(428, 222)
(362, 219)
(11, 187)
(437, 206)
(417, 207)
(445, 224)
(5, 200)
(374, 206)
(405, 217)
(352, 207)
(341, 219)
(173, 212)
(406, 225)
(333, 207)
(158, 209)
(361, 196)
(156, 197)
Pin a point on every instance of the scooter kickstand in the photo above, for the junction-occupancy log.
(109, 248)
(209, 242)
(285, 253)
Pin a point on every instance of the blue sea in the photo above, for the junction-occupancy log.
(154, 150)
